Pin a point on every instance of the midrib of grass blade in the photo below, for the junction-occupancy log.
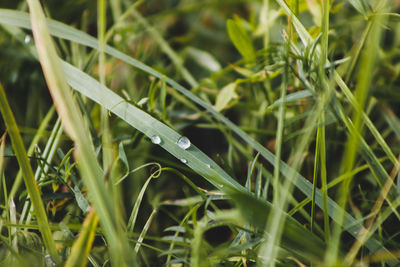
(74, 125)
(27, 172)
(61, 30)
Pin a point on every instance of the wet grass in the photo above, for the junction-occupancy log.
(199, 133)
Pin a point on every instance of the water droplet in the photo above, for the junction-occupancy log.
(27, 39)
(208, 165)
(221, 185)
(155, 139)
(183, 142)
(184, 161)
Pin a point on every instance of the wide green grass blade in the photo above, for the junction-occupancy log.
(27, 173)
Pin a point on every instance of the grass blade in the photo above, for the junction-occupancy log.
(27, 172)
(81, 247)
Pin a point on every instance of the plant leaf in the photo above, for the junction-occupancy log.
(241, 39)
(225, 96)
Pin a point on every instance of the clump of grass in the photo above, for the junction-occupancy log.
(201, 134)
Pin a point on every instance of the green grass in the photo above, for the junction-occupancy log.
(291, 109)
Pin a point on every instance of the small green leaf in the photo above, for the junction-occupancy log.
(241, 39)
(204, 59)
(225, 96)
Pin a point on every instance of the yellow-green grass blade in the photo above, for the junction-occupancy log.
(27, 173)
(61, 30)
(38, 135)
(74, 125)
(81, 247)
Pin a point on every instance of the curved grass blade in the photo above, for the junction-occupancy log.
(135, 210)
(144, 231)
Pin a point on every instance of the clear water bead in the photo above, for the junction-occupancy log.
(184, 161)
(208, 165)
(183, 142)
(27, 39)
(155, 139)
